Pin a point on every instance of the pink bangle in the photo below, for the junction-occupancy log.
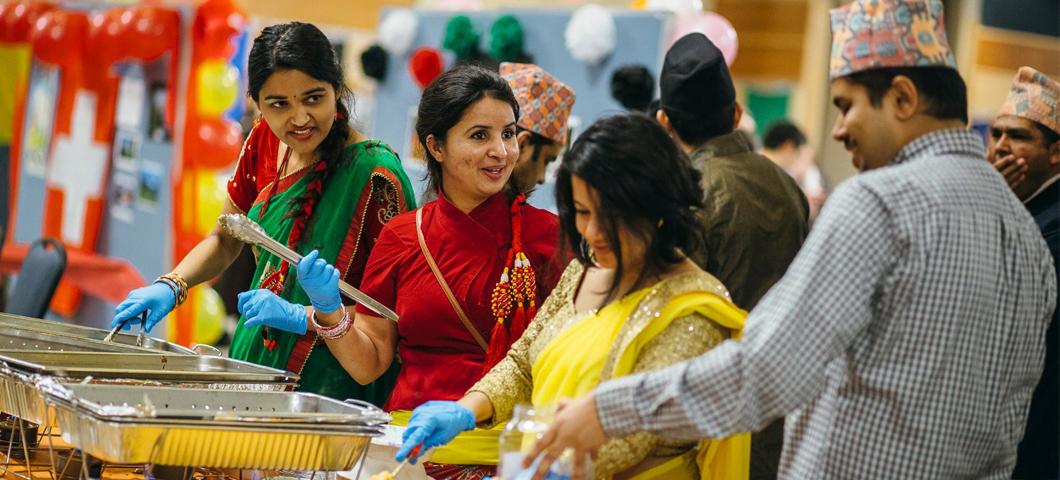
(334, 332)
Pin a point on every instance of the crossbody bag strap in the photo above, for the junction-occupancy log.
(445, 286)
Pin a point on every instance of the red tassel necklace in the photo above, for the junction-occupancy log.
(514, 299)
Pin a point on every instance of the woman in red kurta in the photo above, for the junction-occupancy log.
(492, 251)
(440, 359)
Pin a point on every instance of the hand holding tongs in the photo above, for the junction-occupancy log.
(415, 453)
(115, 330)
(246, 230)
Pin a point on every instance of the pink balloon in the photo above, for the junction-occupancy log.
(714, 26)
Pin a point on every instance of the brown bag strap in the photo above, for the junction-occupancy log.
(445, 286)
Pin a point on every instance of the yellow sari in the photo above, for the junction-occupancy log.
(564, 354)
(573, 365)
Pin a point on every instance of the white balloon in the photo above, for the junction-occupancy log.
(397, 31)
(590, 35)
(679, 6)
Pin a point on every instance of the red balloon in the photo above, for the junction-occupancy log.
(216, 22)
(154, 31)
(219, 144)
(59, 37)
(425, 65)
(17, 19)
(107, 34)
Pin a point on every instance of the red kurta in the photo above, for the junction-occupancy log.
(440, 359)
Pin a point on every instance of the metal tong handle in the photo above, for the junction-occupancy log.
(292, 257)
(115, 330)
(415, 453)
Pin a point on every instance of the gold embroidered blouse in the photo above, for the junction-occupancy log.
(509, 383)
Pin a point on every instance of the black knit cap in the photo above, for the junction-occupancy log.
(695, 80)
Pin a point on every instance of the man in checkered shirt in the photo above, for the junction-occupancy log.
(908, 335)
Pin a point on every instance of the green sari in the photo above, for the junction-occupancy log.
(369, 186)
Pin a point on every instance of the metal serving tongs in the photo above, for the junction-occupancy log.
(246, 230)
(415, 453)
(139, 338)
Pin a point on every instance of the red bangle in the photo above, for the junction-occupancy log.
(337, 331)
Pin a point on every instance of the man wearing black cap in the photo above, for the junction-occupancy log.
(755, 215)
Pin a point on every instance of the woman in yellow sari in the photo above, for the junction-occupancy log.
(630, 301)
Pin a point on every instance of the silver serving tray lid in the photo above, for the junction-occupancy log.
(219, 407)
(95, 334)
(12, 338)
(142, 366)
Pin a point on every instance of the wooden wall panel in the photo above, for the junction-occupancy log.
(771, 35)
(1008, 50)
(357, 14)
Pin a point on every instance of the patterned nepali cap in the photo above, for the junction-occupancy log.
(544, 102)
(869, 34)
(1034, 96)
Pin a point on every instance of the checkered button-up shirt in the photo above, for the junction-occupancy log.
(904, 341)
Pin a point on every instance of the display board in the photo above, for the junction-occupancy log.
(639, 40)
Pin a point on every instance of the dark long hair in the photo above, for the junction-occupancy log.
(303, 47)
(642, 179)
(444, 102)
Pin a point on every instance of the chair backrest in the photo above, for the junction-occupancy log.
(37, 278)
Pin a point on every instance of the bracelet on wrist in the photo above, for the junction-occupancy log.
(173, 287)
(178, 284)
(336, 331)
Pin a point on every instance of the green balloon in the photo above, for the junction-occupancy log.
(506, 39)
(461, 37)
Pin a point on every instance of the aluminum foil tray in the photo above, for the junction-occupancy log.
(182, 369)
(20, 371)
(96, 335)
(212, 429)
(19, 397)
(117, 402)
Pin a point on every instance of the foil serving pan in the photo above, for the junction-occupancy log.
(143, 366)
(214, 429)
(20, 372)
(89, 339)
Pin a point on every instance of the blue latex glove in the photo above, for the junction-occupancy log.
(156, 298)
(433, 424)
(320, 281)
(262, 307)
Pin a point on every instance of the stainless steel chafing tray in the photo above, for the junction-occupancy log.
(94, 335)
(19, 395)
(214, 429)
(143, 366)
(12, 338)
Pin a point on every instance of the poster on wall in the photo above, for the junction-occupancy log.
(40, 115)
(126, 151)
(124, 187)
(131, 94)
(156, 125)
(151, 177)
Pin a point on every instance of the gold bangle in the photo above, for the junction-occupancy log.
(180, 286)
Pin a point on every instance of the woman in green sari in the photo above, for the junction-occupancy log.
(311, 182)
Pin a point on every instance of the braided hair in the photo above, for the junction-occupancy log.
(303, 47)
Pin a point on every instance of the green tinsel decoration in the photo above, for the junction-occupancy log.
(506, 39)
(461, 37)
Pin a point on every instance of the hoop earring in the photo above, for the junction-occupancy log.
(588, 253)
